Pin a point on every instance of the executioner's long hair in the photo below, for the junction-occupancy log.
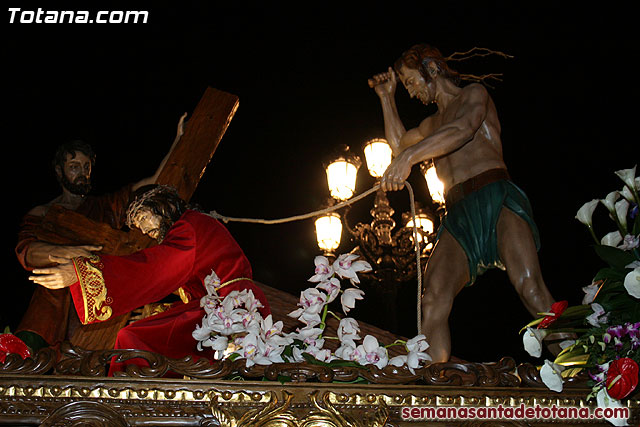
(418, 58)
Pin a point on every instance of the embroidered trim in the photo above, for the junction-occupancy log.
(94, 290)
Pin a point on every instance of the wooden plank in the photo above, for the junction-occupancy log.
(64, 227)
(202, 134)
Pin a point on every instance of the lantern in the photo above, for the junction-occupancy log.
(342, 173)
(436, 187)
(377, 154)
(328, 232)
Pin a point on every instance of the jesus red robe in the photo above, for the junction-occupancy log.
(194, 246)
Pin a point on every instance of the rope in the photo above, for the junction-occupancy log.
(417, 251)
(226, 219)
(340, 205)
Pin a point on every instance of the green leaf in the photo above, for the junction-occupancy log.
(358, 380)
(610, 274)
(233, 356)
(284, 379)
(616, 258)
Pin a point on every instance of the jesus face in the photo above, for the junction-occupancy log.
(149, 223)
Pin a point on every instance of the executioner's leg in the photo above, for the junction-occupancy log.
(518, 253)
(446, 274)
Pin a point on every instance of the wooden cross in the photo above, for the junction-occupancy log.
(184, 168)
(203, 132)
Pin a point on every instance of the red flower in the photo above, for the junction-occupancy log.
(10, 343)
(557, 308)
(622, 377)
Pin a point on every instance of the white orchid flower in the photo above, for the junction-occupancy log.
(307, 334)
(331, 287)
(268, 353)
(234, 299)
(312, 301)
(219, 343)
(310, 336)
(372, 353)
(627, 176)
(590, 293)
(348, 329)
(321, 354)
(347, 267)
(296, 355)
(418, 344)
(349, 297)
(630, 242)
(348, 351)
(249, 320)
(256, 351)
(412, 360)
(632, 282)
(551, 376)
(249, 349)
(610, 200)
(605, 401)
(201, 334)
(598, 316)
(633, 264)
(227, 326)
(532, 341)
(271, 332)
(209, 303)
(398, 361)
(251, 303)
(622, 207)
(602, 372)
(323, 271)
(585, 213)
(211, 283)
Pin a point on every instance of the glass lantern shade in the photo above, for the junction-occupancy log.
(436, 187)
(423, 222)
(377, 154)
(328, 232)
(341, 178)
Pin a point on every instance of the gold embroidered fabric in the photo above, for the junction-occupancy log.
(94, 290)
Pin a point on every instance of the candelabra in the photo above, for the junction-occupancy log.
(390, 252)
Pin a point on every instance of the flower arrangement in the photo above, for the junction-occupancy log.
(234, 329)
(606, 326)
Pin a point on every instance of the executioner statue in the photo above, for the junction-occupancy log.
(488, 221)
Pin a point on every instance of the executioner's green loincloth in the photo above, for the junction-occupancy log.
(473, 220)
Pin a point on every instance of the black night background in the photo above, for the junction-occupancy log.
(566, 104)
